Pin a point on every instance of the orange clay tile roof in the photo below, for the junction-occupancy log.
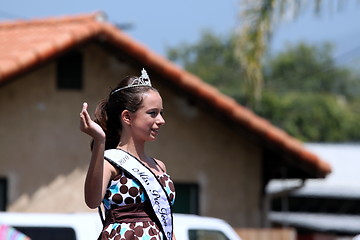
(26, 44)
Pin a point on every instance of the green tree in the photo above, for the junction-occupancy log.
(311, 69)
(309, 96)
(212, 59)
(258, 19)
(312, 117)
(305, 94)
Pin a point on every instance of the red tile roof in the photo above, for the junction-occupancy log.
(26, 44)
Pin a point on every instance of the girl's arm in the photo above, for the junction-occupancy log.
(99, 172)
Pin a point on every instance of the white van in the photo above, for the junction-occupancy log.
(192, 227)
(48, 226)
(87, 226)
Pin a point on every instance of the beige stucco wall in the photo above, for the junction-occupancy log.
(45, 156)
(204, 151)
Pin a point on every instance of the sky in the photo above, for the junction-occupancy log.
(160, 24)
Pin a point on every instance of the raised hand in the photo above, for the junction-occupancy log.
(88, 126)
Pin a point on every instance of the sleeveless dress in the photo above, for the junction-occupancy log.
(126, 192)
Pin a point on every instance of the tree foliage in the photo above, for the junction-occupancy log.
(312, 117)
(305, 92)
(258, 19)
(212, 59)
(309, 69)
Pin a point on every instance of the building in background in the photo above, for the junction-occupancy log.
(220, 154)
(328, 207)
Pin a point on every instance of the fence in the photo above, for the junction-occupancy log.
(266, 233)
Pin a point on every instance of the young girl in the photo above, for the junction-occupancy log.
(135, 189)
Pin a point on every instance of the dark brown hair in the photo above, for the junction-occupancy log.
(108, 111)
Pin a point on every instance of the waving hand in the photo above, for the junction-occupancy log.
(88, 126)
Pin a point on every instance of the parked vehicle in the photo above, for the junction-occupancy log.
(48, 226)
(87, 226)
(192, 227)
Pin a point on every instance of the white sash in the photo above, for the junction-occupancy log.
(155, 191)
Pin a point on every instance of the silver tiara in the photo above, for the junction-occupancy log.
(141, 81)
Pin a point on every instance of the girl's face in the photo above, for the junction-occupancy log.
(147, 120)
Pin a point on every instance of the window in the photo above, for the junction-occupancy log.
(69, 72)
(204, 234)
(3, 194)
(46, 233)
(187, 198)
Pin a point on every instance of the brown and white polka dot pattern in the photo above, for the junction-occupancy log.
(168, 186)
(132, 231)
(122, 190)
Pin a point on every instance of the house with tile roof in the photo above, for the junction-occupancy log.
(220, 154)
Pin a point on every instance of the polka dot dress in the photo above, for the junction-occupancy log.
(123, 190)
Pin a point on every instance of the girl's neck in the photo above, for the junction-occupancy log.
(137, 150)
